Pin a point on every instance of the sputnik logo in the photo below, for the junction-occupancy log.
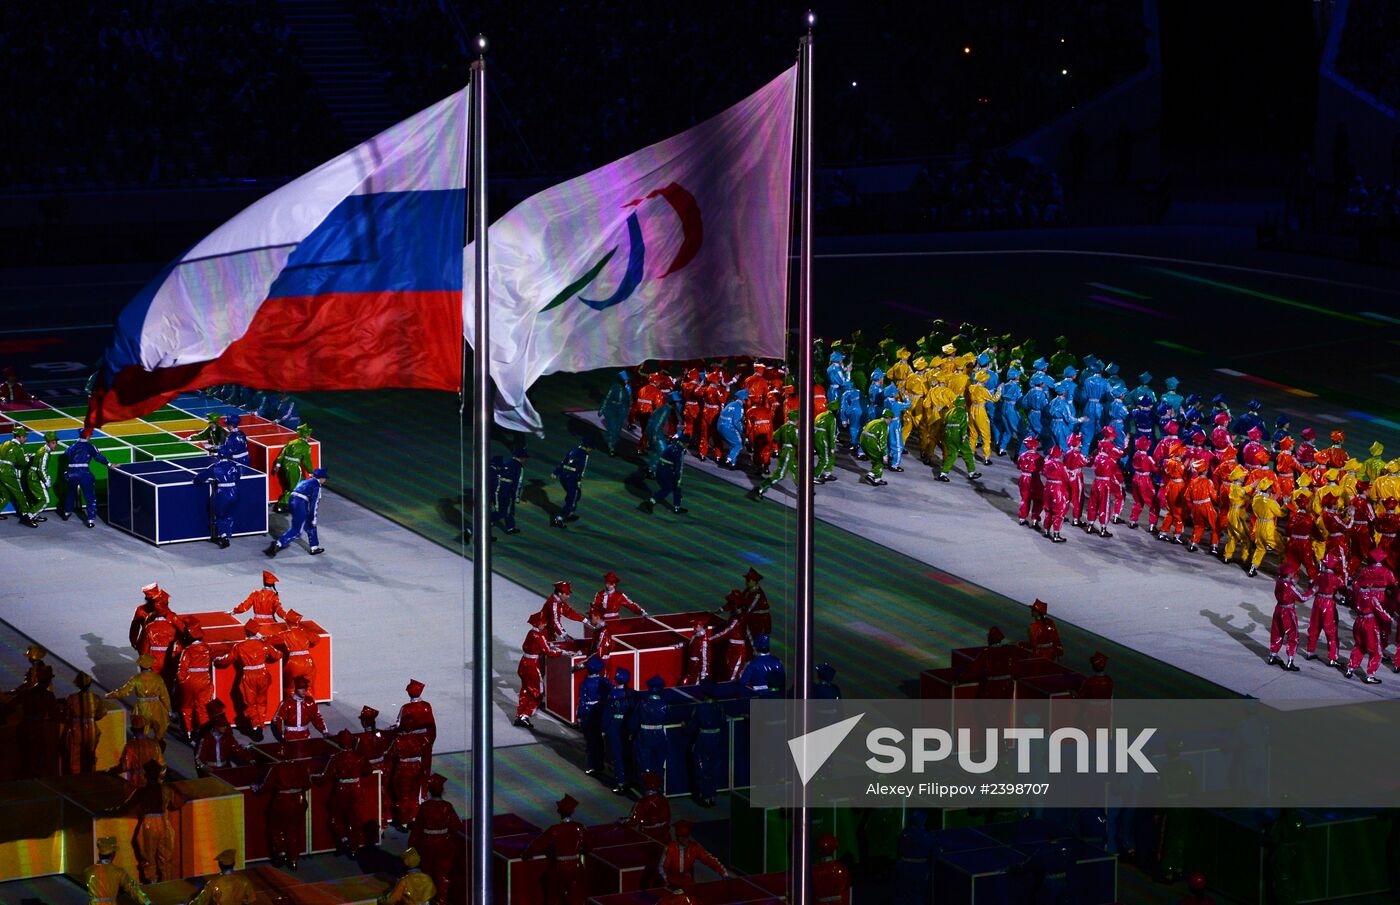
(811, 751)
(692, 237)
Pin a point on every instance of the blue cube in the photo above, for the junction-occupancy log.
(160, 503)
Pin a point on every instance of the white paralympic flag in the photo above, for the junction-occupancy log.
(677, 251)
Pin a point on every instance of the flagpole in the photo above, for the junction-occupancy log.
(801, 858)
(482, 742)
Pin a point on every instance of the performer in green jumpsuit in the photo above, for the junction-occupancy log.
(13, 461)
(956, 441)
(616, 404)
(824, 433)
(875, 443)
(37, 479)
(294, 464)
(214, 434)
(659, 430)
(786, 438)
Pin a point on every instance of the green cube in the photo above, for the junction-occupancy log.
(169, 413)
(152, 439)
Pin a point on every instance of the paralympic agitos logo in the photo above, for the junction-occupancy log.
(683, 203)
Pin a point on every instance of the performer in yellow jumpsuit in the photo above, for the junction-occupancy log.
(979, 421)
(1237, 516)
(1267, 511)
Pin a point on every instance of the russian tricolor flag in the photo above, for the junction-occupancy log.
(349, 277)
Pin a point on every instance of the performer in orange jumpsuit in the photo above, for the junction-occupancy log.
(295, 643)
(610, 601)
(690, 401)
(564, 844)
(156, 639)
(1044, 633)
(138, 751)
(194, 678)
(82, 711)
(151, 593)
(373, 743)
(435, 833)
(760, 433)
(1287, 467)
(154, 841)
(831, 882)
(1200, 494)
(712, 399)
(534, 646)
(652, 812)
(1172, 501)
(287, 784)
(251, 656)
(682, 853)
(265, 602)
(297, 714)
(649, 399)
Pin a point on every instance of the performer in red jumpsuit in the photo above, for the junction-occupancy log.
(652, 812)
(712, 398)
(1074, 467)
(194, 678)
(1170, 444)
(1098, 686)
(757, 619)
(1056, 480)
(1374, 583)
(297, 714)
(1106, 494)
(649, 399)
(534, 646)
(1362, 514)
(1387, 525)
(564, 844)
(406, 756)
(1298, 545)
(286, 783)
(1283, 630)
(265, 602)
(556, 609)
(699, 649)
(599, 635)
(217, 745)
(1028, 463)
(690, 401)
(831, 882)
(1044, 634)
(610, 601)
(1323, 619)
(736, 651)
(373, 743)
(350, 776)
(157, 638)
(1144, 493)
(435, 834)
(416, 718)
(1200, 495)
(251, 655)
(760, 433)
(681, 855)
(151, 595)
(1287, 467)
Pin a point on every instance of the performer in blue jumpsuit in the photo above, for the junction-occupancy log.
(593, 693)
(648, 725)
(1061, 412)
(1218, 404)
(78, 476)
(1171, 397)
(851, 412)
(507, 480)
(668, 474)
(838, 376)
(825, 688)
(1282, 427)
(304, 503)
(570, 475)
(613, 411)
(664, 422)
(1144, 388)
(224, 475)
(1034, 403)
(763, 676)
(1144, 421)
(1095, 393)
(913, 869)
(236, 443)
(730, 424)
(617, 712)
(1114, 380)
(875, 395)
(1117, 415)
(1007, 425)
(893, 403)
(706, 730)
(1248, 419)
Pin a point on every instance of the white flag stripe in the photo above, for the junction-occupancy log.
(714, 207)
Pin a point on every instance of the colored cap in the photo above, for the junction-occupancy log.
(995, 635)
(193, 630)
(984, 359)
(622, 375)
(752, 575)
(682, 828)
(19, 430)
(1031, 443)
(345, 739)
(251, 628)
(1339, 436)
(563, 587)
(151, 591)
(1099, 661)
(319, 473)
(1265, 483)
(82, 680)
(1040, 364)
(368, 713)
(145, 661)
(1254, 433)
(877, 374)
(622, 676)
(1198, 437)
(414, 688)
(827, 844)
(1172, 383)
(566, 805)
(536, 620)
(611, 578)
(50, 437)
(1309, 433)
(214, 417)
(594, 665)
(1172, 427)
(226, 858)
(888, 413)
(35, 652)
(301, 682)
(436, 784)
(826, 672)
(741, 394)
(304, 429)
(1377, 449)
(1040, 607)
(1145, 377)
(232, 419)
(1196, 882)
(837, 357)
(269, 578)
(411, 858)
(1288, 570)
(651, 780)
(656, 683)
(1070, 373)
(1378, 554)
(1056, 452)
(761, 643)
(106, 846)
